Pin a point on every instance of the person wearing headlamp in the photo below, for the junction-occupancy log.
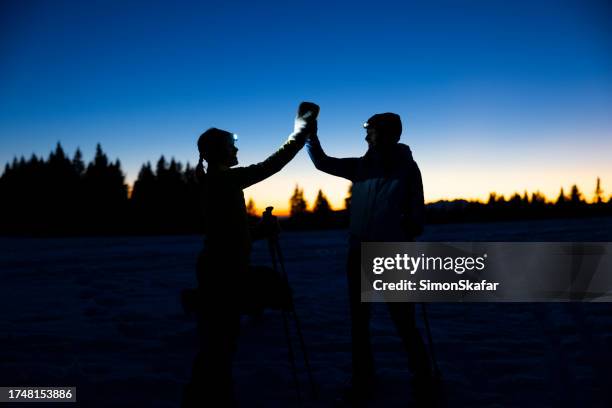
(386, 206)
(223, 264)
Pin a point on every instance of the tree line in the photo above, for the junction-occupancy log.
(522, 207)
(62, 195)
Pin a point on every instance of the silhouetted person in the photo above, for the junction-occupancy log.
(386, 205)
(223, 264)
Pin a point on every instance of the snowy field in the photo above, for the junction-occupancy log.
(103, 314)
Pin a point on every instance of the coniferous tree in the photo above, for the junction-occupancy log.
(538, 198)
(492, 199)
(561, 199)
(297, 203)
(515, 201)
(142, 202)
(598, 192)
(321, 213)
(250, 207)
(77, 163)
(321, 205)
(142, 192)
(60, 185)
(160, 168)
(525, 199)
(575, 196)
(105, 194)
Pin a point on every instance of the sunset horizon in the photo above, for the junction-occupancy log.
(267, 193)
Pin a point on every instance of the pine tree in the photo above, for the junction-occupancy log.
(537, 198)
(58, 154)
(105, 194)
(575, 195)
(598, 192)
(100, 160)
(525, 198)
(515, 200)
(161, 167)
(250, 208)
(321, 205)
(492, 198)
(561, 199)
(77, 163)
(297, 203)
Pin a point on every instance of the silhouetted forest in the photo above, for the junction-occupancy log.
(521, 207)
(61, 195)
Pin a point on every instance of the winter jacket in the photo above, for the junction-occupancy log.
(387, 195)
(227, 245)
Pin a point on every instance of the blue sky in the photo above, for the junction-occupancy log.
(494, 95)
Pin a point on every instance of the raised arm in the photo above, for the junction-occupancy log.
(255, 173)
(345, 168)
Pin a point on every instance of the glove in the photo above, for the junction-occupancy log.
(308, 110)
(313, 140)
(305, 122)
(301, 129)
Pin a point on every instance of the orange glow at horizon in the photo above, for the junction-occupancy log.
(454, 172)
(277, 194)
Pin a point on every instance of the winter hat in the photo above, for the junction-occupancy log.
(386, 124)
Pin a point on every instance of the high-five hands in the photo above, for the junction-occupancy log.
(305, 122)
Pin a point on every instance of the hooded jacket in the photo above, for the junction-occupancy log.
(387, 202)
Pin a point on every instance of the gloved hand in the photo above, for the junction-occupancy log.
(303, 128)
(308, 110)
(312, 139)
(305, 122)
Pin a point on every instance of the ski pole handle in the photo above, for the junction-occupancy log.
(269, 224)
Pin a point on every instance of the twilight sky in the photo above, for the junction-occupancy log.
(494, 95)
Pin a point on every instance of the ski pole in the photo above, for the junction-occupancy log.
(437, 372)
(298, 326)
(286, 327)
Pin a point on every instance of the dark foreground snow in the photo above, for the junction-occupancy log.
(103, 314)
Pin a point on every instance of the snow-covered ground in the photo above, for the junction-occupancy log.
(103, 314)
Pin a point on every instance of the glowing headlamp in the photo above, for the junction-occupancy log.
(234, 137)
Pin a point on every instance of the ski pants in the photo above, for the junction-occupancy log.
(403, 316)
(211, 378)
